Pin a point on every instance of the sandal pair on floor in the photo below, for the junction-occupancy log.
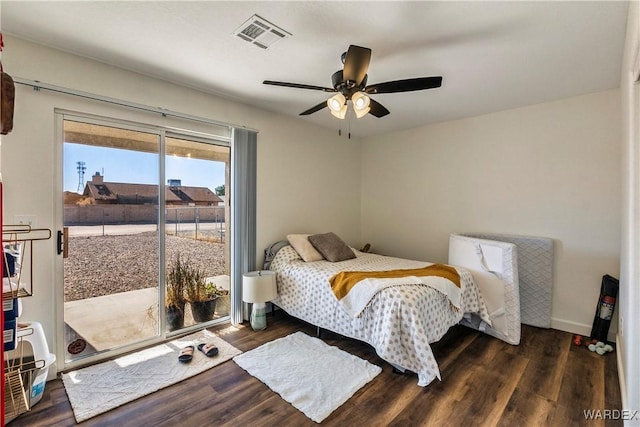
(186, 354)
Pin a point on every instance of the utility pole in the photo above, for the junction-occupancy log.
(81, 168)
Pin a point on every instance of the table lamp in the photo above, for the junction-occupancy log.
(258, 287)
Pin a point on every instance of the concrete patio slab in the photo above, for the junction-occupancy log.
(111, 321)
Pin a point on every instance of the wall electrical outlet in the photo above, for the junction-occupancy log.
(29, 220)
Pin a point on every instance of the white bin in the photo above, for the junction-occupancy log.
(40, 379)
(32, 333)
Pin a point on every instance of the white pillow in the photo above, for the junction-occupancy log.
(305, 249)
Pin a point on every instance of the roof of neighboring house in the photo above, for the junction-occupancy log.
(130, 193)
(200, 194)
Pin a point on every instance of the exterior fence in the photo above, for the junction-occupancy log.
(139, 214)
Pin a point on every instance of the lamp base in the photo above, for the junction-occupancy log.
(259, 316)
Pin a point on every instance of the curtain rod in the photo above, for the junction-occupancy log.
(37, 85)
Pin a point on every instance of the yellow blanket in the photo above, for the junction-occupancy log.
(344, 281)
(354, 289)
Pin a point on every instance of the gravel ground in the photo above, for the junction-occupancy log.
(103, 265)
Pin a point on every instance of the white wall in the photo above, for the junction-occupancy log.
(550, 170)
(308, 178)
(629, 298)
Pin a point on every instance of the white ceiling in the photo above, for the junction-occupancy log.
(492, 55)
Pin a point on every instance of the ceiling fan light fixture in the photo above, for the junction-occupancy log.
(360, 103)
(341, 114)
(360, 100)
(336, 102)
(351, 83)
(338, 105)
(361, 113)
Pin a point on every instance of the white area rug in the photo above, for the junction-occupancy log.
(100, 388)
(314, 377)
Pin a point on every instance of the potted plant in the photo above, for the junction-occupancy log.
(202, 297)
(176, 281)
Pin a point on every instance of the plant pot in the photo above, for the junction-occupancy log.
(202, 311)
(175, 317)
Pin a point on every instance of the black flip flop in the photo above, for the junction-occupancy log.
(209, 350)
(186, 354)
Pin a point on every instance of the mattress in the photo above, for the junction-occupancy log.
(494, 268)
(535, 272)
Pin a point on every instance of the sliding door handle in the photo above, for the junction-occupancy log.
(63, 242)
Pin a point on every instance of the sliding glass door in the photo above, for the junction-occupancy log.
(145, 224)
(196, 224)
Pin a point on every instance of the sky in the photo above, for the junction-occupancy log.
(134, 167)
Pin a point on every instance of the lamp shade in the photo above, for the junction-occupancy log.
(338, 105)
(360, 103)
(259, 286)
(336, 102)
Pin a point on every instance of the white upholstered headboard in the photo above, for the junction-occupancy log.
(494, 266)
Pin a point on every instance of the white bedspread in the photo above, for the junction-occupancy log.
(399, 322)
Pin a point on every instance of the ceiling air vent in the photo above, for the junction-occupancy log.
(260, 32)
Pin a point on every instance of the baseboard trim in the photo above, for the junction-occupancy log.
(579, 328)
(568, 326)
(621, 375)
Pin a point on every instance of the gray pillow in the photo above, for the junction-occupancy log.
(332, 247)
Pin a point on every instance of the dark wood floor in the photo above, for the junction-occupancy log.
(545, 381)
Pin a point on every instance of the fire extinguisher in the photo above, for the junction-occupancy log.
(605, 307)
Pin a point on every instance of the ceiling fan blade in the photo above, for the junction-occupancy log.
(356, 63)
(314, 109)
(406, 85)
(377, 109)
(299, 86)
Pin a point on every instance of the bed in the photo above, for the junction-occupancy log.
(400, 321)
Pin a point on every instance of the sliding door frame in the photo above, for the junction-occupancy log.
(163, 132)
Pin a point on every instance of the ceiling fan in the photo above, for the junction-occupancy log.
(350, 83)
